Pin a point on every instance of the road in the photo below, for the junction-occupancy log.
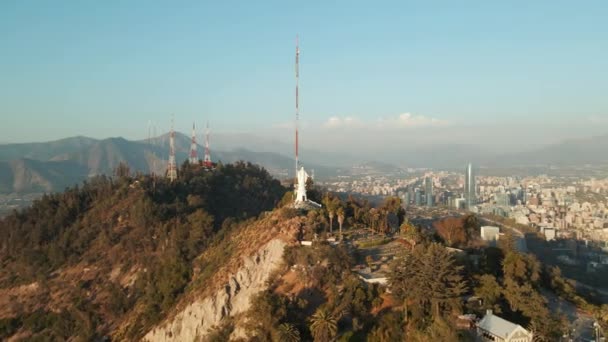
(581, 324)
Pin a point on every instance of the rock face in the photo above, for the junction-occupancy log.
(194, 321)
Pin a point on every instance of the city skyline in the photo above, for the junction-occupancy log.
(390, 70)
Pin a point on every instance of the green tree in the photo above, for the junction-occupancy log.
(287, 332)
(436, 268)
(266, 311)
(489, 291)
(388, 329)
(340, 213)
(323, 325)
(393, 204)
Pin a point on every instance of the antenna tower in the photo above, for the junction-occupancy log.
(297, 105)
(172, 168)
(155, 143)
(207, 161)
(193, 155)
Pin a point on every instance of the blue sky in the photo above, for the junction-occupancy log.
(107, 68)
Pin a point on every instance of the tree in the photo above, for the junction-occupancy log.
(122, 170)
(410, 232)
(340, 219)
(451, 229)
(331, 204)
(388, 329)
(287, 332)
(393, 205)
(436, 268)
(331, 213)
(489, 291)
(471, 226)
(266, 311)
(374, 218)
(323, 325)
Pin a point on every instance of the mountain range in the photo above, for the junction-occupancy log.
(44, 167)
(51, 166)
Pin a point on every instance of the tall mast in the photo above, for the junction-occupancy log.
(193, 154)
(297, 104)
(207, 161)
(172, 167)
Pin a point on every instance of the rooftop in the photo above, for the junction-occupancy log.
(497, 325)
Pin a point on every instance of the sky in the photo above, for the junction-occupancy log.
(527, 72)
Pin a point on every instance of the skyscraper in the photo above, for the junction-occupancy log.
(428, 184)
(469, 188)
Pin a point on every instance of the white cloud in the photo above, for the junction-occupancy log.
(338, 122)
(402, 120)
(410, 120)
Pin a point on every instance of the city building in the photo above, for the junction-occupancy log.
(503, 199)
(497, 329)
(418, 198)
(469, 188)
(490, 233)
(428, 189)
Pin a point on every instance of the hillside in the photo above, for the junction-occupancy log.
(31, 176)
(44, 150)
(115, 255)
(215, 256)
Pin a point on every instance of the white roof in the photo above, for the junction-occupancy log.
(498, 326)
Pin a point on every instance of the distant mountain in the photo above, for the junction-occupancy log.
(572, 152)
(69, 161)
(28, 176)
(44, 150)
(33, 167)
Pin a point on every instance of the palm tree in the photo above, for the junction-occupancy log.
(331, 213)
(287, 332)
(323, 325)
(340, 219)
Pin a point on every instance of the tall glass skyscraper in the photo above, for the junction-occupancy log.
(470, 198)
(428, 183)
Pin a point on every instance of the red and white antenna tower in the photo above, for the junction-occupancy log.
(207, 161)
(297, 104)
(172, 167)
(193, 155)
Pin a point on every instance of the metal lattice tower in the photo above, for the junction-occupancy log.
(172, 167)
(193, 154)
(297, 106)
(207, 161)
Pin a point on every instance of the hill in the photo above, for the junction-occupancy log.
(114, 255)
(44, 151)
(33, 176)
(215, 256)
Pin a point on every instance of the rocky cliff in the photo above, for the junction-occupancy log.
(193, 322)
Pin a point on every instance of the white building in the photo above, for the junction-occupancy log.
(497, 329)
(489, 233)
(549, 233)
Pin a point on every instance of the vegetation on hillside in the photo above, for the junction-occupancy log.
(126, 224)
(115, 256)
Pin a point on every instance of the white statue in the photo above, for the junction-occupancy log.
(301, 186)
